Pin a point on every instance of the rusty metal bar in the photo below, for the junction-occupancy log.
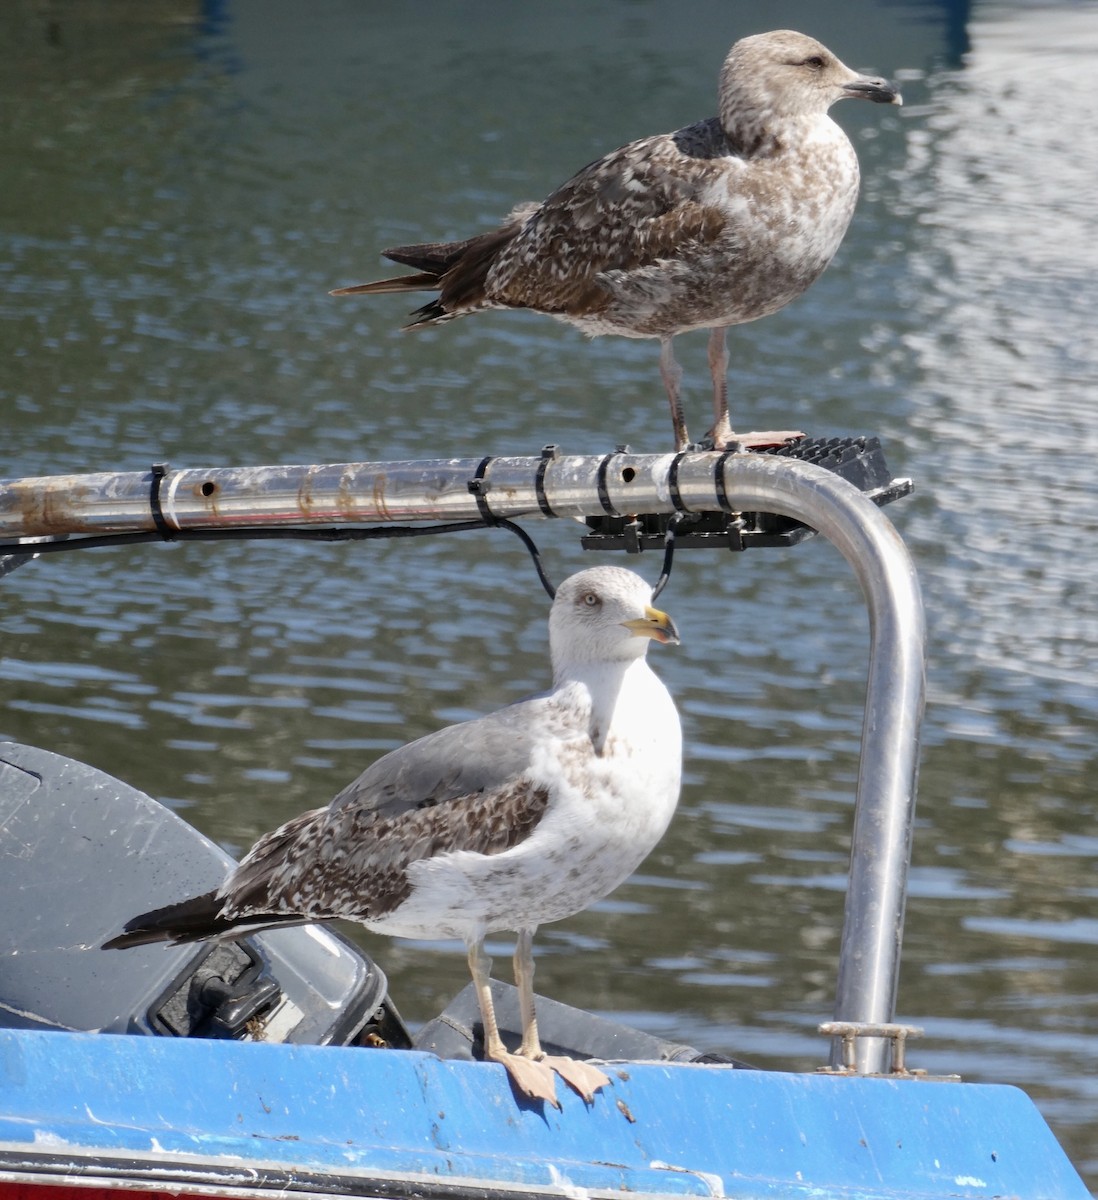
(345, 493)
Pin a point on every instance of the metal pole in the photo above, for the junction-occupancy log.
(869, 959)
(579, 486)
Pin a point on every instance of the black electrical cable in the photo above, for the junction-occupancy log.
(669, 551)
(27, 550)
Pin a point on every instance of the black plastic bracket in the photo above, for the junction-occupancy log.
(859, 460)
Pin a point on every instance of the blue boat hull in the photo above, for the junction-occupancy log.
(219, 1116)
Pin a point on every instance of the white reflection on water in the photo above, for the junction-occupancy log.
(1002, 277)
(999, 289)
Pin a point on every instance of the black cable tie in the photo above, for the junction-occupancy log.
(478, 486)
(159, 471)
(548, 453)
(718, 482)
(604, 495)
(673, 482)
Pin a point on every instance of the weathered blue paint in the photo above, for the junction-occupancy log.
(381, 1115)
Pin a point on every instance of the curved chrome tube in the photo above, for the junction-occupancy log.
(884, 814)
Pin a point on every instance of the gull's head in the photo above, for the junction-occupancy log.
(772, 78)
(605, 615)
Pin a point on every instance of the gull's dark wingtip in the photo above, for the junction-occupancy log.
(188, 921)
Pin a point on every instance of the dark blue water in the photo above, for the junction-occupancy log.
(182, 186)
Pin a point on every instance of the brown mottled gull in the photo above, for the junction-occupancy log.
(716, 224)
(524, 816)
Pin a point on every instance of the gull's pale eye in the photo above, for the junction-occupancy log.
(591, 600)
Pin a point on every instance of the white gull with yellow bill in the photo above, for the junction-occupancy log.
(521, 817)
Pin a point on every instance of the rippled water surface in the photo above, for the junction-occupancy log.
(183, 185)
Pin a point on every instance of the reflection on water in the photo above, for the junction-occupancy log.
(181, 193)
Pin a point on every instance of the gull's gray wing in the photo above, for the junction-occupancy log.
(462, 788)
(475, 756)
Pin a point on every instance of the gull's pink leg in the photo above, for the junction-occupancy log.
(581, 1076)
(671, 374)
(722, 433)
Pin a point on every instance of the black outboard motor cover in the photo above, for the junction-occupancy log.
(80, 854)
